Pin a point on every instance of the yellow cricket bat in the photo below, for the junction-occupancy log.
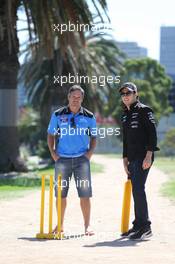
(126, 206)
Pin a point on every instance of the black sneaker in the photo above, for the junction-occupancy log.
(141, 234)
(129, 232)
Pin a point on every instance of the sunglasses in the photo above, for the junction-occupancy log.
(72, 122)
(126, 94)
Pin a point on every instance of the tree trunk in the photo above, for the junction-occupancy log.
(9, 65)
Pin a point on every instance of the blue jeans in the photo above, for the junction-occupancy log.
(80, 168)
(138, 178)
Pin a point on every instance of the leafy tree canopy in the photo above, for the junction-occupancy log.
(153, 87)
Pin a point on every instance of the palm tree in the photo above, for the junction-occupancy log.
(41, 15)
(99, 57)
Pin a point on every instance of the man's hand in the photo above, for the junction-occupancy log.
(125, 164)
(88, 154)
(147, 160)
(55, 157)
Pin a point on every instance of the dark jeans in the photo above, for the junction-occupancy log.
(138, 178)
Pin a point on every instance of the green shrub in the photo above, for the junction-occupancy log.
(168, 144)
(42, 149)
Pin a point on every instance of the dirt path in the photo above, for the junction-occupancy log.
(19, 222)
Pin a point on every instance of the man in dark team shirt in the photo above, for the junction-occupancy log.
(139, 144)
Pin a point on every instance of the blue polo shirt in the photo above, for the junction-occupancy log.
(73, 131)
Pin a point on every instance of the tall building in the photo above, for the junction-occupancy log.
(132, 50)
(167, 56)
(167, 49)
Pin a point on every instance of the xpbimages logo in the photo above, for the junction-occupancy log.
(101, 79)
(71, 27)
(100, 132)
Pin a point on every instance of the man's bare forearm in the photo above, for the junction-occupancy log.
(93, 143)
(149, 154)
(51, 143)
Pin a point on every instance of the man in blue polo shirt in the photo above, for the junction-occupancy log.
(71, 141)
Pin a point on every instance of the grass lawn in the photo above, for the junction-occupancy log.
(9, 192)
(14, 187)
(167, 165)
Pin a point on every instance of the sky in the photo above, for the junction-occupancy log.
(135, 20)
(140, 21)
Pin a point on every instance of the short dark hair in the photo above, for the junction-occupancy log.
(76, 88)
